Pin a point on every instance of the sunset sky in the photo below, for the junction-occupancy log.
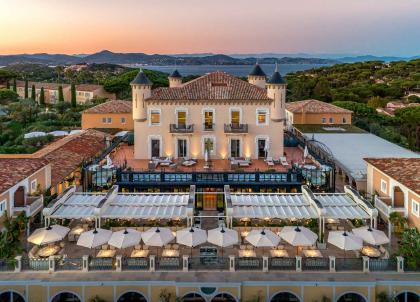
(380, 27)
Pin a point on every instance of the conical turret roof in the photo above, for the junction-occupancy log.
(257, 71)
(141, 79)
(175, 74)
(276, 78)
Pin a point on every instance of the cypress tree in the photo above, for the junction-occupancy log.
(26, 89)
(60, 94)
(42, 97)
(33, 93)
(73, 95)
(14, 85)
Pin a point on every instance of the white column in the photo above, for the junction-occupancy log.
(118, 259)
(152, 259)
(265, 264)
(400, 264)
(332, 263)
(365, 264)
(18, 264)
(85, 263)
(185, 266)
(231, 263)
(51, 264)
(298, 263)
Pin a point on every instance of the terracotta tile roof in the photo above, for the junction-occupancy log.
(39, 85)
(14, 170)
(404, 170)
(66, 154)
(115, 106)
(314, 106)
(213, 86)
(88, 87)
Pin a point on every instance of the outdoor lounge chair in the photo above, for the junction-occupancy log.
(283, 161)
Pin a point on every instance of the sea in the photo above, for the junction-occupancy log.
(236, 70)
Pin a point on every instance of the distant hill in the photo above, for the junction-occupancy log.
(106, 56)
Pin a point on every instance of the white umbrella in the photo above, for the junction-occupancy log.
(206, 155)
(298, 236)
(191, 236)
(94, 238)
(371, 236)
(49, 234)
(264, 238)
(125, 238)
(34, 134)
(223, 237)
(157, 236)
(77, 131)
(58, 133)
(345, 241)
(267, 148)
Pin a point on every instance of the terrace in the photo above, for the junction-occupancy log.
(244, 213)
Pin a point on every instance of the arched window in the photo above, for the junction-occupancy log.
(223, 298)
(284, 297)
(132, 297)
(66, 297)
(11, 296)
(408, 297)
(351, 297)
(193, 297)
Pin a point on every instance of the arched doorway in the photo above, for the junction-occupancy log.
(351, 297)
(66, 297)
(398, 197)
(285, 297)
(11, 296)
(407, 297)
(193, 297)
(132, 297)
(19, 197)
(223, 297)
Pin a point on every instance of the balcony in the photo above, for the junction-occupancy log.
(33, 205)
(174, 128)
(208, 127)
(236, 128)
(385, 206)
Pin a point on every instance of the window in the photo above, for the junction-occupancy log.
(123, 120)
(415, 208)
(107, 120)
(33, 185)
(235, 117)
(2, 206)
(154, 117)
(344, 120)
(208, 119)
(262, 118)
(331, 120)
(181, 118)
(384, 186)
(104, 120)
(324, 120)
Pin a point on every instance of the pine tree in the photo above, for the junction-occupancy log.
(14, 85)
(26, 89)
(42, 97)
(33, 93)
(73, 95)
(60, 94)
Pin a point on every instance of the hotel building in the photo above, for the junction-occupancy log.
(230, 117)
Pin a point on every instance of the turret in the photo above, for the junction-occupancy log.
(141, 88)
(276, 90)
(257, 76)
(175, 79)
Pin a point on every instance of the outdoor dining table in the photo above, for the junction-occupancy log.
(48, 251)
(170, 253)
(139, 253)
(279, 253)
(370, 251)
(106, 253)
(246, 253)
(75, 233)
(312, 253)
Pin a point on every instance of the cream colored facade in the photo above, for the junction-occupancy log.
(264, 120)
(47, 289)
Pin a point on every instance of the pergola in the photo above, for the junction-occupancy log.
(305, 205)
(116, 205)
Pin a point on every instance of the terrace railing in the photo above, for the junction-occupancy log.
(248, 263)
(100, 264)
(386, 209)
(208, 263)
(282, 264)
(7, 265)
(168, 263)
(69, 264)
(236, 128)
(348, 264)
(138, 264)
(35, 264)
(174, 128)
(382, 265)
(34, 205)
(315, 264)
